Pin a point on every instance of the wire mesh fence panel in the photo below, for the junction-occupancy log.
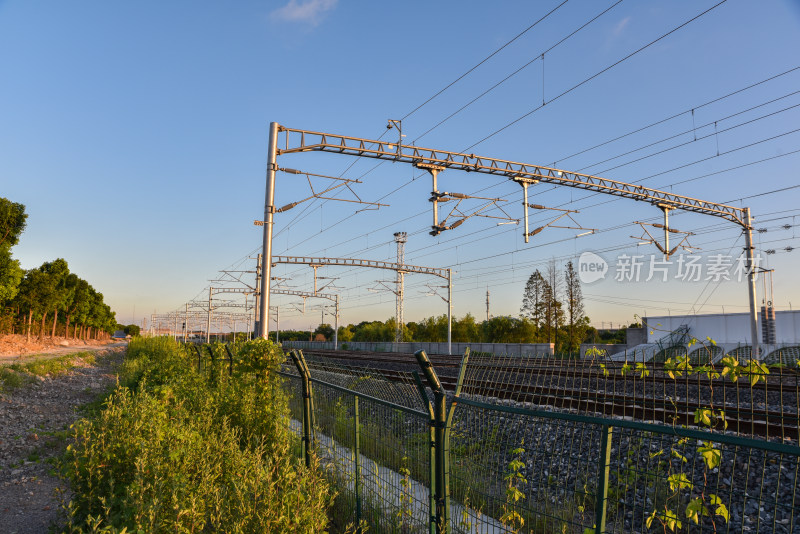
(752, 399)
(661, 482)
(378, 454)
(512, 472)
(394, 386)
(291, 385)
(548, 445)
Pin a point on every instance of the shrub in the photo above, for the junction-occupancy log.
(176, 453)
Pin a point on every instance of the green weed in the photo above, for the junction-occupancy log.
(174, 450)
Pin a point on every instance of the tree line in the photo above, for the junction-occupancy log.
(552, 311)
(48, 300)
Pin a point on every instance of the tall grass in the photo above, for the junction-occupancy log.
(177, 450)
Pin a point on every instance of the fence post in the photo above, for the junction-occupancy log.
(357, 449)
(302, 368)
(442, 420)
(230, 360)
(431, 454)
(601, 501)
(199, 356)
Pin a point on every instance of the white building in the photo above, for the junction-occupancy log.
(728, 328)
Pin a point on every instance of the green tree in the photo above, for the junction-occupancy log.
(52, 291)
(345, 333)
(577, 322)
(134, 330)
(553, 308)
(12, 222)
(61, 292)
(534, 306)
(466, 330)
(326, 330)
(76, 303)
(507, 329)
(11, 275)
(432, 329)
(374, 331)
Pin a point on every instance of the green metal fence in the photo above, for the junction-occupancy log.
(406, 455)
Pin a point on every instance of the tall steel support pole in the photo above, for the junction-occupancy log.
(269, 210)
(525, 208)
(277, 324)
(435, 190)
(400, 238)
(257, 292)
(208, 317)
(449, 311)
(186, 323)
(749, 251)
(249, 326)
(336, 326)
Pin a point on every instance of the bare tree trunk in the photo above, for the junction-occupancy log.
(41, 328)
(66, 329)
(55, 318)
(30, 320)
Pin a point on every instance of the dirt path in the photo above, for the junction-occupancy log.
(34, 421)
(54, 352)
(15, 348)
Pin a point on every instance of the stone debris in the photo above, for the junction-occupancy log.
(34, 424)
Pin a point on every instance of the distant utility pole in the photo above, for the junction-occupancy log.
(208, 317)
(400, 238)
(487, 304)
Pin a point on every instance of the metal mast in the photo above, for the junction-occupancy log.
(269, 211)
(400, 238)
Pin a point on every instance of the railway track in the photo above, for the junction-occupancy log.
(767, 410)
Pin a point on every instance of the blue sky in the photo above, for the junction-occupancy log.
(135, 134)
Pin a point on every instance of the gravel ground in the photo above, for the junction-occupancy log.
(33, 431)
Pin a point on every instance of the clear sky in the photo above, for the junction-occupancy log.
(135, 134)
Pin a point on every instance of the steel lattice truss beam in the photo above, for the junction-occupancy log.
(308, 141)
(245, 290)
(350, 262)
(204, 305)
(195, 315)
(334, 298)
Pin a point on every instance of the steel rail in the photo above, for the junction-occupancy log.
(743, 420)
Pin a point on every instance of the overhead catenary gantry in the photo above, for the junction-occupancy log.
(305, 294)
(179, 323)
(403, 267)
(525, 174)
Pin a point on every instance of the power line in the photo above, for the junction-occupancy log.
(586, 80)
(484, 60)
(520, 69)
(676, 115)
